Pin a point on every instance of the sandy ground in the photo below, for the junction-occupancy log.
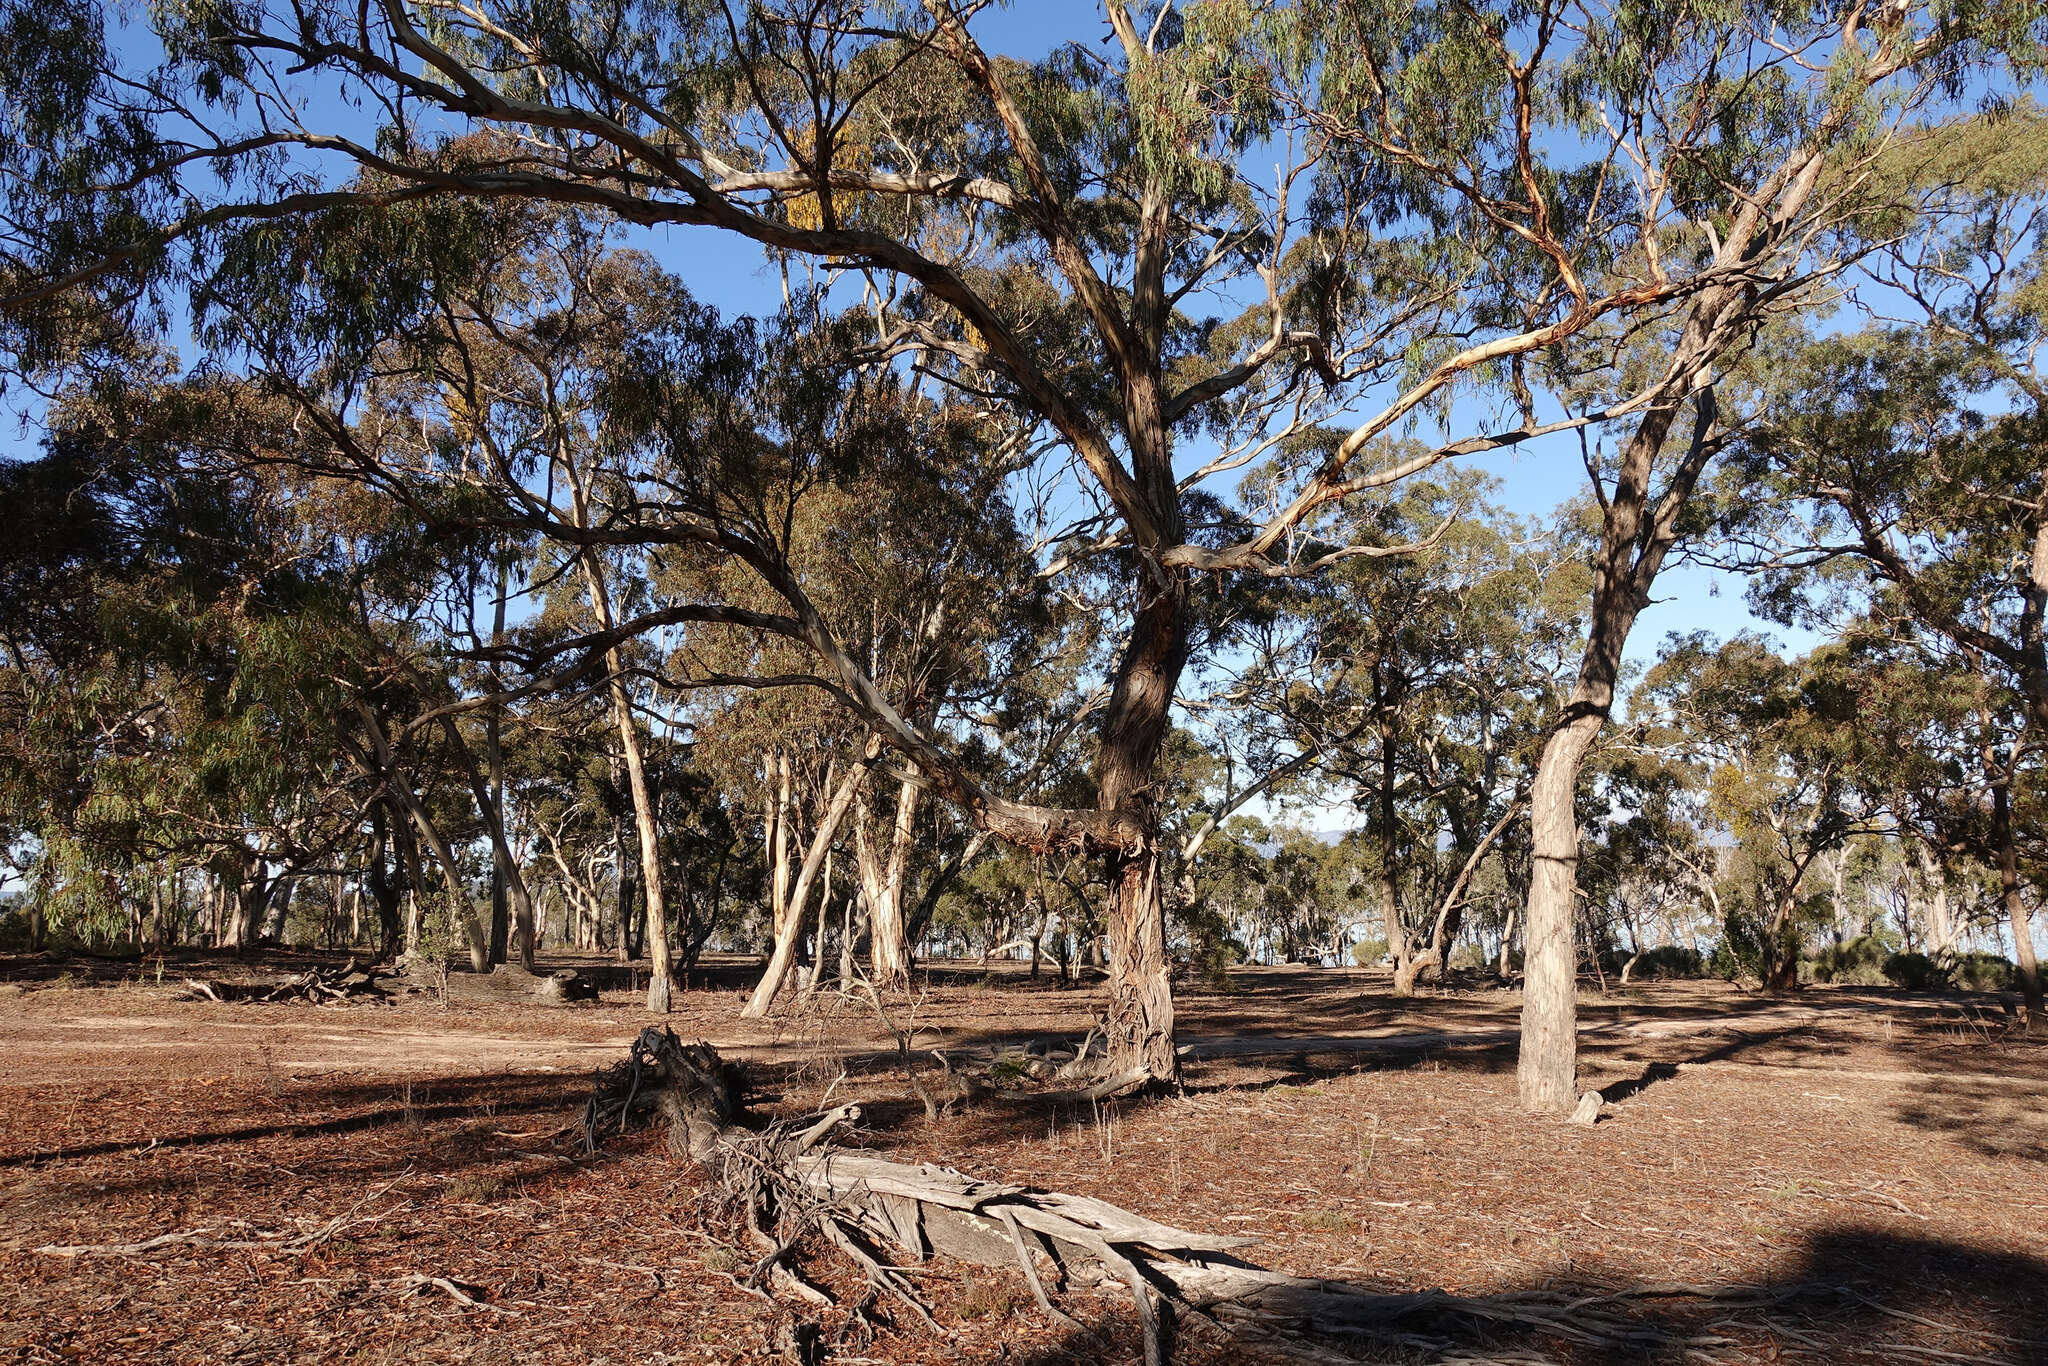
(1867, 1167)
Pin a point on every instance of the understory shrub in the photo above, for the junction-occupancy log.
(1471, 958)
(1914, 972)
(1860, 962)
(1667, 962)
(1367, 952)
(1981, 972)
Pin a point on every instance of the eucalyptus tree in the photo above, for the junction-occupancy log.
(1747, 138)
(1776, 746)
(1031, 234)
(173, 634)
(1418, 684)
(1916, 451)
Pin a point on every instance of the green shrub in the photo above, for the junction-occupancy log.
(1914, 972)
(1667, 962)
(1858, 963)
(1981, 972)
(1470, 958)
(1367, 952)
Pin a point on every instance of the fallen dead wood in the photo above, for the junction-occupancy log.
(462, 1292)
(790, 1181)
(261, 1242)
(342, 985)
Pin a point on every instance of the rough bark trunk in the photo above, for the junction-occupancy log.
(1781, 972)
(1140, 1024)
(1390, 873)
(251, 895)
(383, 888)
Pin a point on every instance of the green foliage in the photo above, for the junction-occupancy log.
(1914, 972)
(1667, 963)
(1366, 953)
(1981, 972)
(1856, 962)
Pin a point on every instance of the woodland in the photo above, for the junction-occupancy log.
(1076, 647)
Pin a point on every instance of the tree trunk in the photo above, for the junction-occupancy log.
(1781, 958)
(2029, 969)
(628, 857)
(384, 889)
(1547, 1071)
(659, 981)
(659, 984)
(462, 914)
(846, 930)
(817, 973)
(1636, 534)
(1390, 872)
(791, 927)
(460, 911)
(1140, 1025)
(888, 939)
(777, 847)
(1941, 920)
(511, 901)
(1140, 990)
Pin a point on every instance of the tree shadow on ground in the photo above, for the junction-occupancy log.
(385, 1104)
(1002, 1114)
(1856, 1294)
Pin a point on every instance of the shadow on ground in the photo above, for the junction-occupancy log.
(1857, 1294)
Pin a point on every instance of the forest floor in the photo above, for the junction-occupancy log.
(1868, 1165)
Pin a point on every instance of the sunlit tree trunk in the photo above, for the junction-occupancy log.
(790, 929)
(1637, 532)
(882, 883)
(660, 981)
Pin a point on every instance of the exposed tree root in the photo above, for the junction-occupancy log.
(788, 1181)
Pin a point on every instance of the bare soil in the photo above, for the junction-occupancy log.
(1868, 1165)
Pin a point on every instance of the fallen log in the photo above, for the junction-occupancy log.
(790, 1180)
(341, 985)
